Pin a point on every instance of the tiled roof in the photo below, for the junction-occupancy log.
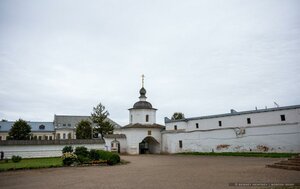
(138, 125)
(5, 126)
(167, 120)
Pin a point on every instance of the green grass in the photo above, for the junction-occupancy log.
(244, 154)
(32, 163)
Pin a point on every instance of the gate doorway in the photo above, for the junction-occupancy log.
(149, 145)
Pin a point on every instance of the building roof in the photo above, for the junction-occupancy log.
(138, 125)
(142, 105)
(234, 113)
(5, 126)
(115, 136)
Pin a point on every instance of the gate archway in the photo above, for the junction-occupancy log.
(149, 145)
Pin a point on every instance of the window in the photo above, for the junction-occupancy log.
(197, 125)
(69, 124)
(58, 136)
(64, 124)
(40, 137)
(220, 123)
(175, 127)
(180, 144)
(42, 127)
(147, 118)
(46, 137)
(0, 137)
(50, 137)
(69, 136)
(149, 132)
(248, 120)
(64, 136)
(282, 117)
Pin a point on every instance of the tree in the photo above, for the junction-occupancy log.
(98, 117)
(84, 130)
(20, 130)
(177, 115)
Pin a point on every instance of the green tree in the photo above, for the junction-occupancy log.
(98, 117)
(177, 115)
(20, 130)
(84, 130)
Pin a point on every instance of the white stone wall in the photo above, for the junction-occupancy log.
(139, 116)
(137, 135)
(30, 151)
(122, 141)
(268, 138)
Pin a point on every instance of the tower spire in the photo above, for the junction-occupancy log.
(143, 77)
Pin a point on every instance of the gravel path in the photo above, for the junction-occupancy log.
(155, 171)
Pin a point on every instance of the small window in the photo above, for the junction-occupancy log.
(46, 137)
(64, 124)
(50, 137)
(40, 137)
(42, 127)
(282, 117)
(69, 136)
(147, 118)
(180, 144)
(149, 132)
(248, 121)
(220, 123)
(0, 137)
(69, 124)
(197, 125)
(64, 136)
(175, 127)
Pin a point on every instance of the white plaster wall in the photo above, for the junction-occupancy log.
(278, 138)
(181, 125)
(263, 118)
(136, 135)
(123, 144)
(139, 116)
(30, 151)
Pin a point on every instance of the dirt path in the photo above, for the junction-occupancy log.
(155, 171)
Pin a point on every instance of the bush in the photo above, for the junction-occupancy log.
(83, 160)
(113, 159)
(16, 159)
(94, 155)
(82, 151)
(67, 149)
(69, 158)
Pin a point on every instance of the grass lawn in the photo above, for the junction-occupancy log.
(245, 154)
(32, 163)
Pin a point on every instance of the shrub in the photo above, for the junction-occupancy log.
(81, 151)
(67, 149)
(16, 159)
(94, 155)
(69, 158)
(83, 159)
(113, 159)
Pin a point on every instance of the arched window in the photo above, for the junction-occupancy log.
(42, 127)
(64, 136)
(147, 118)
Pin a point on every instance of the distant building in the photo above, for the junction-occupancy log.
(62, 128)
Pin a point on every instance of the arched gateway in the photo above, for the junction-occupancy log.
(149, 146)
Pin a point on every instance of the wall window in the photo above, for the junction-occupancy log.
(180, 144)
(149, 132)
(64, 124)
(46, 137)
(42, 127)
(64, 136)
(50, 137)
(40, 137)
(197, 125)
(58, 136)
(220, 123)
(248, 120)
(175, 127)
(282, 117)
(69, 124)
(147, 118)
(0, 137)
(69, 136)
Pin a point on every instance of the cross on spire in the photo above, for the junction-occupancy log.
(143, 77)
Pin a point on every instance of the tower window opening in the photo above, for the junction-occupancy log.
(147, 118)
(282, 117)
(175, 127)
(197, 125)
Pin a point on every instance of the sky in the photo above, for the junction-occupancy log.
(199, 57)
